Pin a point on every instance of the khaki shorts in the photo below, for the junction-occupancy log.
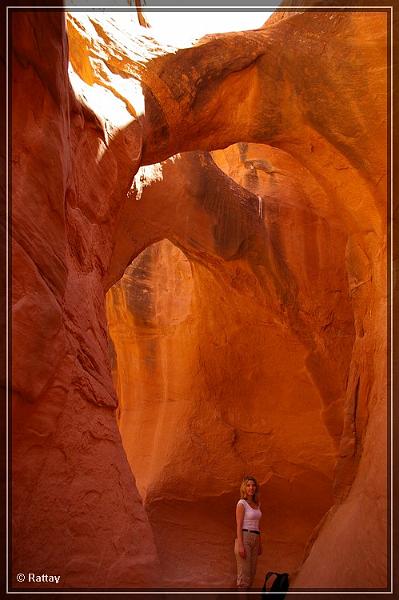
(246, 567)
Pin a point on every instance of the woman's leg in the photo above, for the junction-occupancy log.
(243, 565)
(254, 557)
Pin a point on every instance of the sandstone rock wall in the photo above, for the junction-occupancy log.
(76, 510)
(214, 367)
(307, 93)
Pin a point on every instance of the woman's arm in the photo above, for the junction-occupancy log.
(240, 519)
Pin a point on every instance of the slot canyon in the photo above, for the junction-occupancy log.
(199, 291)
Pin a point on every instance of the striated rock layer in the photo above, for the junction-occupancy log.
(249, 331)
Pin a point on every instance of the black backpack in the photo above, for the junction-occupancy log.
(279, 586)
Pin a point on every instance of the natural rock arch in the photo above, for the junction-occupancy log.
(67, 160)
(212, 369)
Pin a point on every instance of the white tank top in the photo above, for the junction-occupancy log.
(251, 516)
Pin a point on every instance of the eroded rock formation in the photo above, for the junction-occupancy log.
(220, 354)
(253, 338)
(76, 509)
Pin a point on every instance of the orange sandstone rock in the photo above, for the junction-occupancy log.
(76, 510)
(272, 355)
(212, 371)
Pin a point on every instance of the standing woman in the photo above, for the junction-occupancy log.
(248, 544)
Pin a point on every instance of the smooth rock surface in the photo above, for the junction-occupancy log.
(273, 357)
(76, 510)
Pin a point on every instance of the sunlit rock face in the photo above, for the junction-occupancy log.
(216, 360)
(249, 331)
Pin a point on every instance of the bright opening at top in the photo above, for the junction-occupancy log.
(180, 27)
(197, 24)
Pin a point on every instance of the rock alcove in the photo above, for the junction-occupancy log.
(226, 226)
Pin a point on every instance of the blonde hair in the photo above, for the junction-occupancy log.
(243, 490)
